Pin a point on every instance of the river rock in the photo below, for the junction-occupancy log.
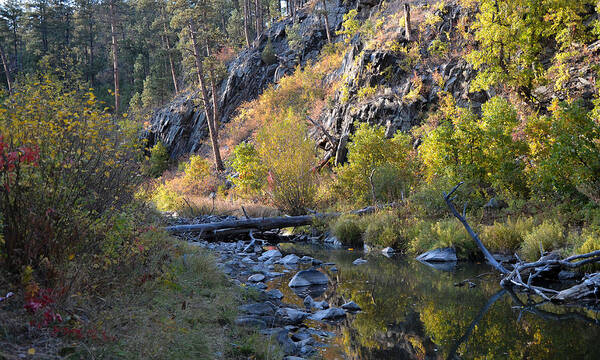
(321, 305)
(292, 316)
(388, 251)
(439, 255)
(329, 314)
(256, 278)
(308, 278)
(257, 309)
(269, 254)
(310, 303)
(275, 294)
(359, 261)
(248, 260)
(351, 306)
(291, 259)
(305, 259)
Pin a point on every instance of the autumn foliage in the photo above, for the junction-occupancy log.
(65, 166)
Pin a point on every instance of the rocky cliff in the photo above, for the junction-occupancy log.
(181, 124)
(406, 80)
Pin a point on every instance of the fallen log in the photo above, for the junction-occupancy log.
(223, 228)
(252, 223)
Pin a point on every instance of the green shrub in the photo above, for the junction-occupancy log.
(350, 25)
(197, 169)
(590, 241)
(268, 54)
(348, 229)
(159, 160)
(507, 236)
(384, 229)
(545, 237)
(251, 174)
(85, 164)
(566, 151)
(371, 153)
(166, 199)
(288, 157)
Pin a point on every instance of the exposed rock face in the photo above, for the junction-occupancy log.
(181, 125)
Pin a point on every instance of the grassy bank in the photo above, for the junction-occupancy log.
(172, 304)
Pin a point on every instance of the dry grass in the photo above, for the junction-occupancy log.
(198, 205)
(176, 305)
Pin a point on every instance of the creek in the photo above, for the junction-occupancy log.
(410, 310)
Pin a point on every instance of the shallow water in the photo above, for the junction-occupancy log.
(411, 311)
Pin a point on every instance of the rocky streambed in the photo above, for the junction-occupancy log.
(299, 326)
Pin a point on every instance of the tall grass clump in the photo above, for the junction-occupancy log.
(348, 229)
(385, 229)
(545, 237)
(506, 236)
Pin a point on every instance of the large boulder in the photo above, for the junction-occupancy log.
(308, 278)
(439, 255)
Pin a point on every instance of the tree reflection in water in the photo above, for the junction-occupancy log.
(411, 311)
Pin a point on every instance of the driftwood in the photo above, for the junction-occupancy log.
(547, 264)
(231, 227)
(252, 223)
(463, 220)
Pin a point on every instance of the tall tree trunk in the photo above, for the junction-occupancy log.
(92, 75)
(170, 59)
(209, 114)
(407, 30)
(258, 19)
(326, 22)
(6, 69)
(113, 34)
(247, 21)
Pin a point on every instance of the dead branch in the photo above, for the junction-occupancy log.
(461, 218)
(547, 264)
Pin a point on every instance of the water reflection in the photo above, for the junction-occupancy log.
(411, 311)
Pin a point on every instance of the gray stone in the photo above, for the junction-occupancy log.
(257, 309)
(351, 306)
(256, 278)
(329, 314)
(308, 302)
(566, 275)
(289, 259)
(439, 255)
(248, 260)
(388, 251)
(275, 294)
(292, 316)
(269, 254)
(321, 305)
(259, 286)
(359, 261)
(308, 278)
(306, 259)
